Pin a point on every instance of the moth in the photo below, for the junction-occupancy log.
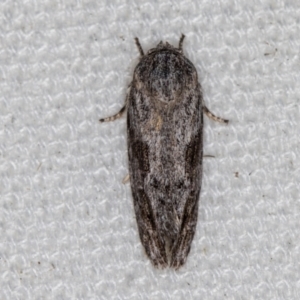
(165, 128)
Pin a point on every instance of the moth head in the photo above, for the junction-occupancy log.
(164, 46)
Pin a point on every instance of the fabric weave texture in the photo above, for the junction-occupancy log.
(67, 224)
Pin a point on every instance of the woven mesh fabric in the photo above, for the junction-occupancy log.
(67, 225)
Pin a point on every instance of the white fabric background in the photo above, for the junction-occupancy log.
(67, 223)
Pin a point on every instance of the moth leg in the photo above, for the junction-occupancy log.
(114, 117)
(126, 179)
(121, 112)
(213, 117)
(137, 42)
(181, 42)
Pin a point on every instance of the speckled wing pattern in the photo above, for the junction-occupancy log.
(164, 126)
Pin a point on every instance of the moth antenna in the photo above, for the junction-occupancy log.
(137, 42)
(181, 42)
